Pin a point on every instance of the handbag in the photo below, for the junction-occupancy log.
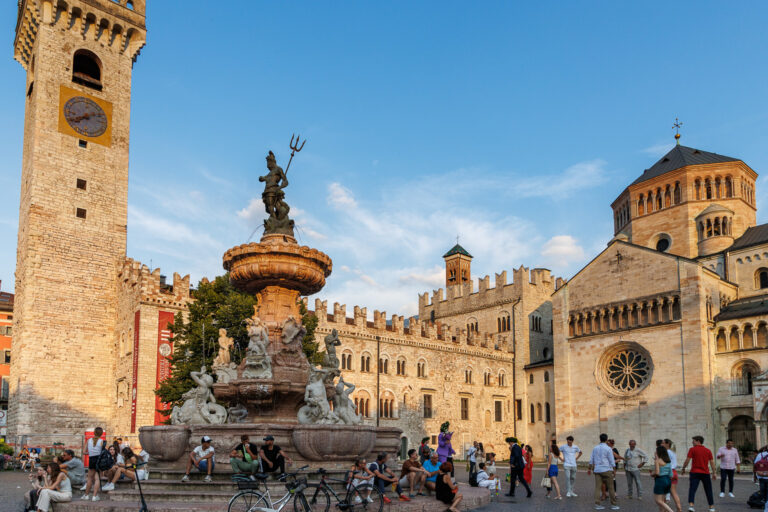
(546, 482)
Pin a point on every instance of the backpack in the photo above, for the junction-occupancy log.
(105, 460)
(473, 479)
(756, 500)
(761, 466)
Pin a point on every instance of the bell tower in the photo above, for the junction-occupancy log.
(458, 263)
(78, 56)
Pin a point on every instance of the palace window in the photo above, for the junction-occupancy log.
(547, 413)
(497, 410)
(468, 376)
(365, 363)
(502, 379)
(530, 379)
(538, 411)
(346, 361)
(383, 365)
(427, 406)
(464, 408)
(546, 376)
(533, 414)
(421, 369)
(401, 367)
(487, 378)
(519, 409)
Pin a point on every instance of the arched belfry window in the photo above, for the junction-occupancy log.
(761, 278)
(86, 69)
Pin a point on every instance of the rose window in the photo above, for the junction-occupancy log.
(628, 370)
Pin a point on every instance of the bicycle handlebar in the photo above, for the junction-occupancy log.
(293, 474)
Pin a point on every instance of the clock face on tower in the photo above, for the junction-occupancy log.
(85, 116)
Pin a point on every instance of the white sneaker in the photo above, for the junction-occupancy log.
(95, 498)
(369, 500)
(730, 495)
(85, 497)
(599, 507)
(108, 487)
(185, 478)
(691, 509)
(615, 507)
(574, 495)
(83, 487)
(357, 500)
(567, 495)
(722, 495)
(207, 478)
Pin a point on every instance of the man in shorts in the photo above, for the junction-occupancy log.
(202, 458)
(412, 474)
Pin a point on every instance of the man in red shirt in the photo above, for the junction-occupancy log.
(700, 456)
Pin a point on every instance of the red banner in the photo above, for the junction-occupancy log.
(164, 351)
(135, 382)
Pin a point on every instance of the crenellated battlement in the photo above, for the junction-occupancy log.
(118, 25)
(151, 286)
(464, 297)
(417, 330)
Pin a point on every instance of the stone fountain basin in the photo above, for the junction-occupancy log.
(333, 442)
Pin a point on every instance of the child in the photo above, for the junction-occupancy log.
(490, 466)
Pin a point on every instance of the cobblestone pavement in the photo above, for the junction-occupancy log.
(585, 488)
(13, 484)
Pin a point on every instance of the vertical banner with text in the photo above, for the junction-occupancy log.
(135, 381)
(164, 351)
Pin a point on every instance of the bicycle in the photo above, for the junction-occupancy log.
(364, 497)
(251, 498)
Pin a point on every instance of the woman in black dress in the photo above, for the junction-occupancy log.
(445, 490)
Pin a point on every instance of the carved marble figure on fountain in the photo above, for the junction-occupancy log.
(330, 360)
(199, 407)
(316, 410)
(258, 364)
(237, 414)
(273, 197)
(343, 406)
(291, 353)
(223, 366)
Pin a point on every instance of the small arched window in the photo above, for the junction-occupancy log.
(421, 369)
(545, 353)
(530, 379)
(761, 278)
(86, 69)
(533, 414)
(468, 376)
(547, 412)
(546, 376)
(677, 193)
(538, 412)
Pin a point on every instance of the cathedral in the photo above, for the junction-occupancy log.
(663, 334)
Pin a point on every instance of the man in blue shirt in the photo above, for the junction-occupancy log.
(602, 462)
(432, 466)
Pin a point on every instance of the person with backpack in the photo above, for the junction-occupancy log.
(95, 448)
(425, 452)
(760, 467)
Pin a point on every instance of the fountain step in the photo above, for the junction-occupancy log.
(474, 497)
(226, 474)
(275, 488)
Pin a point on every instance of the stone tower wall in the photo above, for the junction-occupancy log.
(66, 293)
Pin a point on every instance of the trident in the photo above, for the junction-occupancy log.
(295, 148)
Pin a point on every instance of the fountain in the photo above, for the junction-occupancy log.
(274, 390)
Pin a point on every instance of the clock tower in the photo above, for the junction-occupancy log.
(78, 56)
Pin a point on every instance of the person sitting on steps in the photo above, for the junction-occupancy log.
(244, 458)
(432, 467)
(385, 477)
(412, 474)
(202, 458)
(273, 457)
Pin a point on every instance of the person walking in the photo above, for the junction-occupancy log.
(603, 464)
(729, 464)
(667, 443)
(700, 456)
(634, 459)
(662, 474)
(571, 454)
(516, 467)
(528, 471)
(552, 458)
(472, 456)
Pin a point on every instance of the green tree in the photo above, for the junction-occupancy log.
(308, 343)
(217, 305)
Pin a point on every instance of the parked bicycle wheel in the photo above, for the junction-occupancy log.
(365, 497)
(317, 499)
(247, 501)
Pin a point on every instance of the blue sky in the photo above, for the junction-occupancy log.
(512, 124)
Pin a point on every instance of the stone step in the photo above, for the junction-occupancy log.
(127, 506)
(275, 487)
(226, 474)
(201, 495)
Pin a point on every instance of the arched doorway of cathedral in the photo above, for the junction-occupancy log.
(742, 430)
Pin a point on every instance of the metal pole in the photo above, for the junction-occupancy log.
(378, 376)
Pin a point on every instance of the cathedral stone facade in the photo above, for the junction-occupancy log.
(664, 333)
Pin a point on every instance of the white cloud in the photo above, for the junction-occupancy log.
(562, 250)
(577, 177)
(167, 230)
(658, 150)
(339, 196)
(254, 213)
